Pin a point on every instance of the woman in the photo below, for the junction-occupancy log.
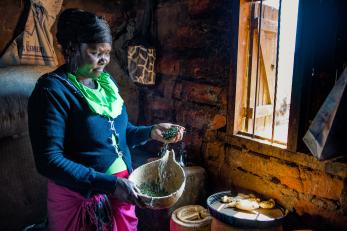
(80, 133)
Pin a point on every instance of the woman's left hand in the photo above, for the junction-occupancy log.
(159, 129)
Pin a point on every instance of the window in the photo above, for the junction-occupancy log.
(265, 57)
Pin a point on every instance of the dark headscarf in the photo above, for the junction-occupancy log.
(76, 26)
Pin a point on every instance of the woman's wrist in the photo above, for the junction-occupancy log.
(151, 134)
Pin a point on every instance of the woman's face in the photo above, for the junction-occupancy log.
(92, 59)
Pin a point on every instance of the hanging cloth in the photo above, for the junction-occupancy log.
(34, 46)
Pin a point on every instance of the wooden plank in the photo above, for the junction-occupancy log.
(262, 111)
(267, 25)
(268, 40)
(267, 79)
(269, 66)
(267, 56)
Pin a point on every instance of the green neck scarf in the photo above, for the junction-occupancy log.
(105, 100)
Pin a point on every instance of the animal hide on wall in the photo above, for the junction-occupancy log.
(133, 46)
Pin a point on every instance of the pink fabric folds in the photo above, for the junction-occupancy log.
(124, 213)
(70, 211)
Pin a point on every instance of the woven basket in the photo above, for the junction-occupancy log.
(173, 181)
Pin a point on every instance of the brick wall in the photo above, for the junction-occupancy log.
(192, 69)
(191, 89)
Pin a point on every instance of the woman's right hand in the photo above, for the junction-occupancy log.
(127, 191)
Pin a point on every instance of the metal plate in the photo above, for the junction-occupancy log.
(258, 218)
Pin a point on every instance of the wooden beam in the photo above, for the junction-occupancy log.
(232, 112)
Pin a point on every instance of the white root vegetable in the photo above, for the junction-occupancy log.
(247, 202)
(267, 204)
(226, 199)
(231, 204)
(247, 205)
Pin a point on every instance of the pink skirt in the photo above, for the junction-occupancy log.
(70, 211)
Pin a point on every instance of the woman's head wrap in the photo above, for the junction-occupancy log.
(77, 26)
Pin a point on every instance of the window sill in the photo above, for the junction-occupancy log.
(262, 141)
(336, 167)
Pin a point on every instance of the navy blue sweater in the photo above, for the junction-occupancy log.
(72, 145)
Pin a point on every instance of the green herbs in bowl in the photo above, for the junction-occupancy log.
(152, 189)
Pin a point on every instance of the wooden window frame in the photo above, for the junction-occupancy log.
(295, 130)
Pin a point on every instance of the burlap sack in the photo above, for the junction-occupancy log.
(34, 46)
